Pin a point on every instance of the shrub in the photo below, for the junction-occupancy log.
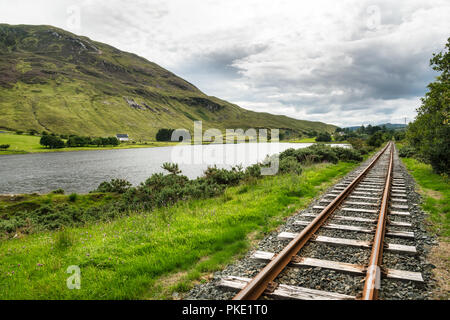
(224, 177)
(115, 185)
(73, 197)
(4, 146)
(324, 137)
(290, 165)
(253, 171)
(58, 191)
(319, 153)
(376, 140)
(171, 167)
(12, 224)
(50, 217)
(288, 153)
(406, 152)
(357, 143)
(347, 154)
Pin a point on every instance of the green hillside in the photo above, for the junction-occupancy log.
(53, 80)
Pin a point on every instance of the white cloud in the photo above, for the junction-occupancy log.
(343, 62)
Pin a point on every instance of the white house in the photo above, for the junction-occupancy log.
(122, 137)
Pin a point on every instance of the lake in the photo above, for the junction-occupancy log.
(83, 171)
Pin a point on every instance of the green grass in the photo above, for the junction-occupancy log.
(30, 144)
(435, 190)
(304, 140)
(150, 255)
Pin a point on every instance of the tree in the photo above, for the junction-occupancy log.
(357, 143)
(113, 141)
(97, 142)
(51, 142)
(376, 140)
(400, 135)
(164, 134)
(324, 137)
(77, 141)
(429, 134)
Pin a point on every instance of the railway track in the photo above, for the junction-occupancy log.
(369, 212)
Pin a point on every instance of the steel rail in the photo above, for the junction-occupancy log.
(256, 287)
(373, 272)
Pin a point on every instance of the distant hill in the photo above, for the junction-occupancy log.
(388, 125)
(53, 80)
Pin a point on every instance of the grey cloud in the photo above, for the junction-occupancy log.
(220, 61)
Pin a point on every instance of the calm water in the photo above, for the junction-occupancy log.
(83, 171)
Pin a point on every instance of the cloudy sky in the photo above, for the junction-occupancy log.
(342, 62)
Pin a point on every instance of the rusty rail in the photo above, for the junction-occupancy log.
(255, 288)
(373, 272)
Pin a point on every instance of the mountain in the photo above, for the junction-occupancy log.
(387, 125)
(53, 80)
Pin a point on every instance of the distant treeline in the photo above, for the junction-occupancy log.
(53, 141)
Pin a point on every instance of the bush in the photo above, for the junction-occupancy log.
(253, 171)
(4, 146)
(290, 165)
(406, 152)
(347, 154)
(50, 217)
(73, 197)
(224, 177)
(376, 140)
(171, 167)
(324, 137)
(58, 191)
(115, 185)
(357, 143)
(317, 153)
(321, 153)
(12, 224)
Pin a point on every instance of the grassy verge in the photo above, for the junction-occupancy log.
(435, 192)
(150, 255)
